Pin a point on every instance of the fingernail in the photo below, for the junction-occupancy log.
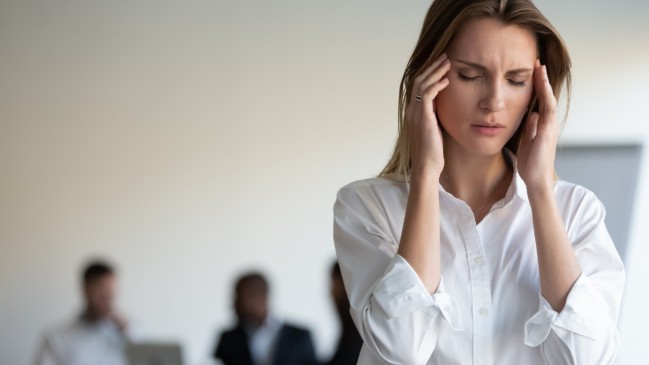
(537, 63)
(443, 56)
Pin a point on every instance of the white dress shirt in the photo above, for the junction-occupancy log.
(488, 308)
(84, 343)
(262, 340)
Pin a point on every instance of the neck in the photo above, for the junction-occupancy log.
(253, 322)
(90, 315)
(478, 180)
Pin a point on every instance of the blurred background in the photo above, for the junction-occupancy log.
(188, 141)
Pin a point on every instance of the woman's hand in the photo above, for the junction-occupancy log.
(558, 265)
(425, 138)
(539, 140)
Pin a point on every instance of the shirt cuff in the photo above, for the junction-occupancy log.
(584, 314)
(400, 291)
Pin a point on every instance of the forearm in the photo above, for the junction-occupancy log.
(558, 265)
(420, 238)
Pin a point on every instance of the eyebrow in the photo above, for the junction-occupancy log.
(483, 68)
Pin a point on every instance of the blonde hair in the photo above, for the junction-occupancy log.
(443, 21)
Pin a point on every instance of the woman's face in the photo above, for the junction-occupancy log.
(490, 85)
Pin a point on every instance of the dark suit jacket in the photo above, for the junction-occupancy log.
(349, 347)
(293, 347)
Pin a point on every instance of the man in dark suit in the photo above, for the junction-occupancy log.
(258, 337)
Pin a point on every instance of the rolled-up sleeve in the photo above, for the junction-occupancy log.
(397, 317)
(585, 331)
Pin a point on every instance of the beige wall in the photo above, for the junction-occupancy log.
(189, 140)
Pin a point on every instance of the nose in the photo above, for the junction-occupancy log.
(494, 98)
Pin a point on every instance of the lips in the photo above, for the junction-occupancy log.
(488, 129)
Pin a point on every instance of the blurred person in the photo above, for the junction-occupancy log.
(467, 249)
(99, 335)
(350, 342)
(260, 337)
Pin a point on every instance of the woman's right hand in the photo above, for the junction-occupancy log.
(425, 137)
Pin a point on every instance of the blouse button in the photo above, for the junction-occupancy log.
(482, 311)
(477, 260)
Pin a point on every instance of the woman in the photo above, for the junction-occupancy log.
(466, 249)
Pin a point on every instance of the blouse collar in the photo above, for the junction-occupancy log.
(516, 187)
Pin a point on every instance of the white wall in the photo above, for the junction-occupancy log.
(190, 140)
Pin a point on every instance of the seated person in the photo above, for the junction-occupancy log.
(260, 338)
(350, 342)
(98, 336)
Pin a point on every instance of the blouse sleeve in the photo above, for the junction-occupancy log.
(585, 331)
(397, 317)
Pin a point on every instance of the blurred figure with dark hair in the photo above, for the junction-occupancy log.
(259, 337)
(350, 342)
(98, 336)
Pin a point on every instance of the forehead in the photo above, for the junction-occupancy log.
(494, 44)
(107, 280)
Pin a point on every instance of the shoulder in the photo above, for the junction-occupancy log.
(59, 336)
(575, 196)
(232, 332)
(580, 208)
(378, 182)
(230, 339)
(376, 188)
(62, 329)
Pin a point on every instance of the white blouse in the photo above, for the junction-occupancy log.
(85, 343)
(488, 308)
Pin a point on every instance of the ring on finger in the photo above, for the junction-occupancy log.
(418, 97)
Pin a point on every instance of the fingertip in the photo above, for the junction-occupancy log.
(538, 70)
(533, 119)
(535, 116)
(443, 82)
(531, 126)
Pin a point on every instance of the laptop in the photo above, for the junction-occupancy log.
(154, 353)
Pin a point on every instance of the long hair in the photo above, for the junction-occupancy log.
(443, 21)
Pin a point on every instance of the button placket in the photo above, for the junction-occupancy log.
(480, 291)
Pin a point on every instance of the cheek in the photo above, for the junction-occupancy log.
(520, 104)
(454, 102)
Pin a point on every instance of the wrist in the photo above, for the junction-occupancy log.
(425, 177)
(540, 192)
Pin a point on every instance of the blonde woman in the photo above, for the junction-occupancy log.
(466, 249)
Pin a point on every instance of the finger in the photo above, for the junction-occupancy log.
(537, 79)
(435, 76)
(428, 70)
(429, 94)
(547, 101)
(531, 126)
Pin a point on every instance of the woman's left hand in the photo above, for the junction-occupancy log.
(539, 140)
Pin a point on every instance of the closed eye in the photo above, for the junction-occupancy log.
(517, 83)
(468, 78)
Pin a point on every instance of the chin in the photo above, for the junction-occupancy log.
(484, 148)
